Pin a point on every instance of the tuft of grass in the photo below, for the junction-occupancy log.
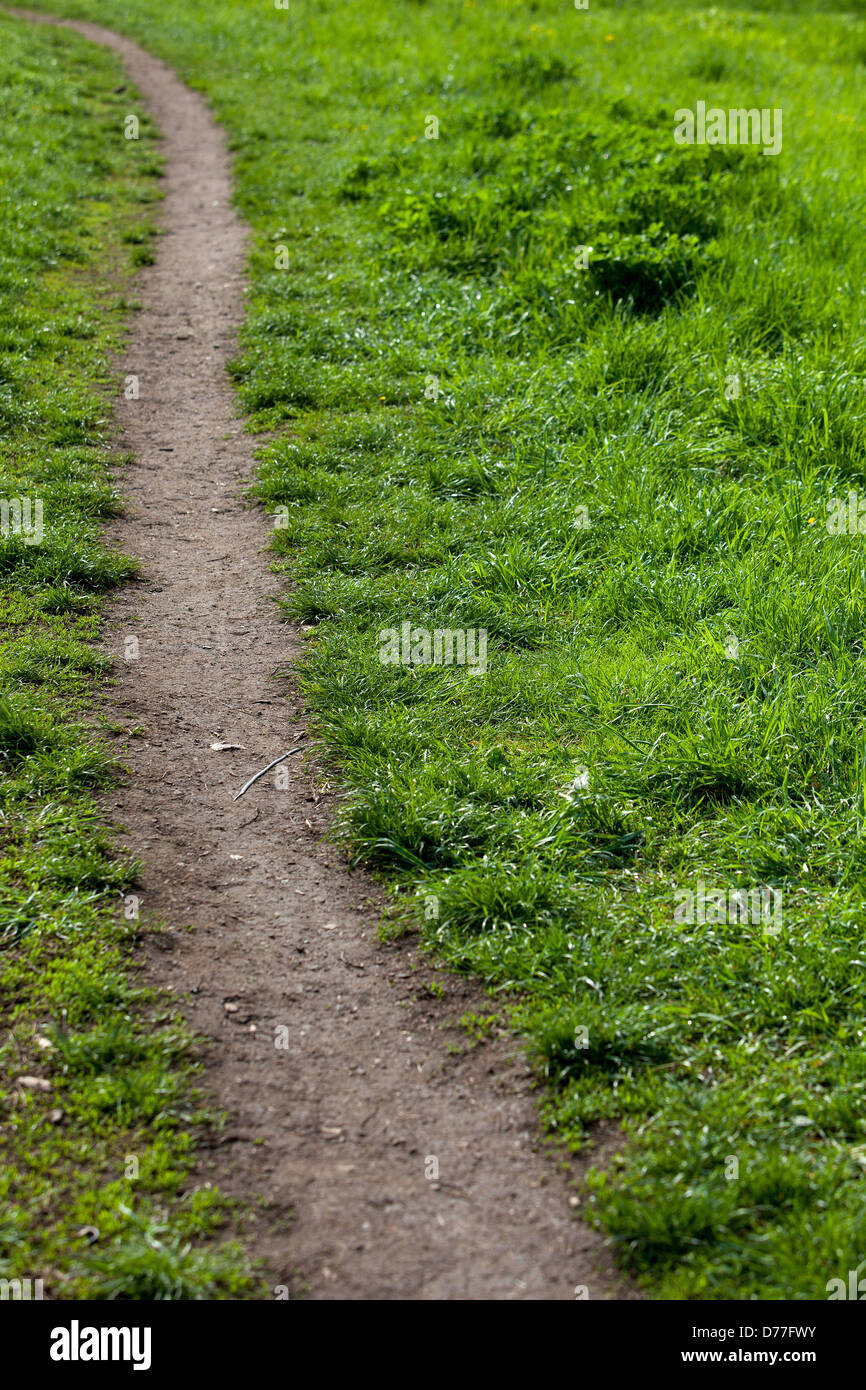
(144, 1267)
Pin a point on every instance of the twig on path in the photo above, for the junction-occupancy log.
(354, 964)
(281, 758)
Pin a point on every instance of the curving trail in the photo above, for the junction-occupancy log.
(363, 1090)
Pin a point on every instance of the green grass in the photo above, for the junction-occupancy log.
(95, 1198)
(453, 398)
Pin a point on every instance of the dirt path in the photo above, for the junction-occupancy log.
(347, 1114)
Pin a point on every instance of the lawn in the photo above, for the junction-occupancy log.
(536, 370)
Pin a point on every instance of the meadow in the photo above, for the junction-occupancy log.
(529, 366)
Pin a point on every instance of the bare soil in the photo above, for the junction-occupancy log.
(341, 1076)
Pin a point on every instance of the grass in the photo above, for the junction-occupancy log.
(621, 471)
(97, 1092)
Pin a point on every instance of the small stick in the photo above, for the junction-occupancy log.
(281, 758)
